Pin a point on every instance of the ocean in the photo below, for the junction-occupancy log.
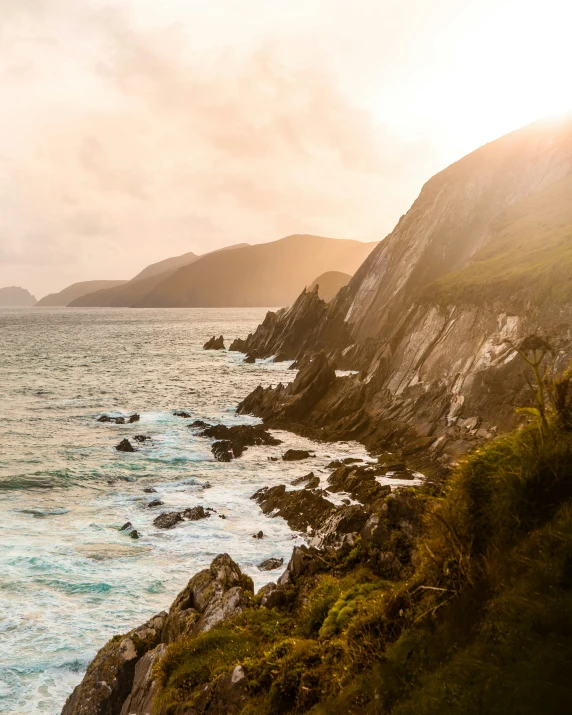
(69, 578)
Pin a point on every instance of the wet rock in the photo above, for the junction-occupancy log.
(150, 490)
(302, 508)
(168, 520)
(292, 455)
(340, 462)
(238, 345)
(214, 343)
(141, 438)
(211, 596)
(313, 483)
(133, 418)
(306, 479)
(154, 503)
(181, 413)
(221, 516)
(126, 526)
(196, 513)
(134, 534)
(222, 450)
(250, 359)
(109, 678)
(125, 446)
(113, 420)
(199, 424)
(271, 564)
(259, 535)
(232, 441)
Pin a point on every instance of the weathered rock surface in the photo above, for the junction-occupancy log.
(181, 413)
(271, 564)
(170, 519)
(232, 441)
(301, 508)
(214, 343)
(125, 446)
(109, 678)
(359, 482)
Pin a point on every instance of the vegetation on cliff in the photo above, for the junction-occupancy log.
(481, 623)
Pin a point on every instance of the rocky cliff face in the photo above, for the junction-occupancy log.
(480, 259)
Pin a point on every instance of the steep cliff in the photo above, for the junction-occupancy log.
(484, 256)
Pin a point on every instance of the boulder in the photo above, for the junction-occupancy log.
(150, 490)
(271, 564)
(232, 441)
(292, 455)
(134, 534)
(199, 424)
(195, 513)
(113, 420)
(133, 418)
(222, 450)
(307, 478)
(168, 520)
(155, 502)
(250, 359)
(211, 596)
(109, 678)
(214, 343)
(141, 438)
(126, 526)
(181, 413)
(125, 446)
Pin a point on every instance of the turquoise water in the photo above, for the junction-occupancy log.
(69, 579)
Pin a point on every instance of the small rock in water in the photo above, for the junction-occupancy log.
(222, 450)
(272, 459)
(126, 526)
(150, 490)
(260, 535)
(221, 516)
(134, 534)
(301, 480)
(168, 520)
(134, 418)
(214, 343)
(271, 564)
(114, 420)
(250, 359)
(141, 438)
(181, 413)
(195, 513)
(155, 502)
(125, 446)
(199, 424)
(292, 455)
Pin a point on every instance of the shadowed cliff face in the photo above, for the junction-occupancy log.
(483, 257)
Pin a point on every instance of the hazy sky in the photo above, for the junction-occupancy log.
(134, 130)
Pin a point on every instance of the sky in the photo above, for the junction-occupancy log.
(135, 130)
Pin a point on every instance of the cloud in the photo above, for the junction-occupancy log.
(123, 145)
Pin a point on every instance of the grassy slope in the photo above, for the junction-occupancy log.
(483, 626)
(529, 253)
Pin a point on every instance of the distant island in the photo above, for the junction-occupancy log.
(266, 274)
(75, 291)
(14, 296)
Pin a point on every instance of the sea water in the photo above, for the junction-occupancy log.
(69, 578)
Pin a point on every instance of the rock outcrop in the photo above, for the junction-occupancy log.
(232, 441)
(214, 343)
(429, 320)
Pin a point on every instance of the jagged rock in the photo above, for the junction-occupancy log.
(306, 478)
(181, 413)
(359, 482)
(250, 359)
(232, 441)
(109, 678)
(211, 596)
(304, 560)
(301, 508)
(238, 345)
(155, 502)
(292, 455)
(195, 513)
(214, 343)
(125, 446)
(258, 535)
(168, 520)
(145, 686)
(141, 438)
(271, 564)
(133, 418)
(340, 462)
(341, 528)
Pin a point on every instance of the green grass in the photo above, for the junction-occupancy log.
(528, 255)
